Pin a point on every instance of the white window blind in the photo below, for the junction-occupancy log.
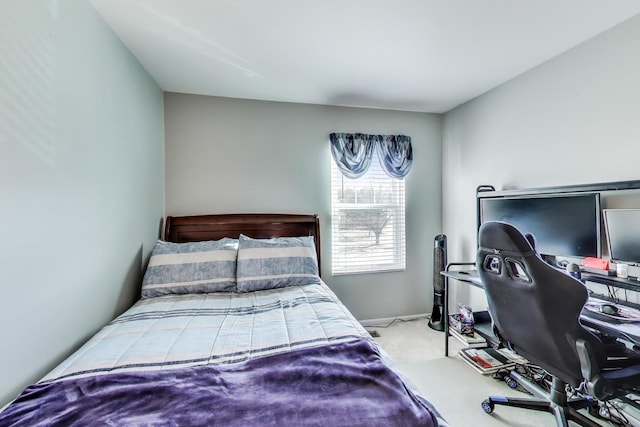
(368, 232)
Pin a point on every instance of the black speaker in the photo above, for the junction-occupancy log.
(439, 263)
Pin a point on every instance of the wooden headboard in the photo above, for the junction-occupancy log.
(196, 228)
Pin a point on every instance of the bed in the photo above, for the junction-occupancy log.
(234, 327)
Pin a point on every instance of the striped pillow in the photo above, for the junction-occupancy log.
(191, 268)
(276, 263)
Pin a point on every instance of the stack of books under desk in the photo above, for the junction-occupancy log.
(489, 360)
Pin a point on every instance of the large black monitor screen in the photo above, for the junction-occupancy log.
(563, 225)
(622, 228)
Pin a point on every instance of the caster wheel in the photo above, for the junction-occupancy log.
(487, 406)
(511, 382)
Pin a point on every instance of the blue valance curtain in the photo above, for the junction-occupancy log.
(353, 152)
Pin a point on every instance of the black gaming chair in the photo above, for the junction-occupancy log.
(535, 309)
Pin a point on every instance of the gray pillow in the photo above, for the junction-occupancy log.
(276, 263)
(191, 268)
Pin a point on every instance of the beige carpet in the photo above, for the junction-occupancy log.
(456, 389)
(413, 341)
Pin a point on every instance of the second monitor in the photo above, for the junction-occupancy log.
(622, 230)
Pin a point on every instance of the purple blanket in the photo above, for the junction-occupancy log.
(335, 385)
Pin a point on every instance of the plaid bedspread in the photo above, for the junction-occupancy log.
(217, 328)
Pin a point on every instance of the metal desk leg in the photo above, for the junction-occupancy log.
(445, 316)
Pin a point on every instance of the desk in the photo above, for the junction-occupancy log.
(470, 276)
(466, 276)
(628, 331)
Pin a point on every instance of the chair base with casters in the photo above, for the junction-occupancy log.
(556, 402)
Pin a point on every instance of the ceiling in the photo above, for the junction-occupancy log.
(412, 55)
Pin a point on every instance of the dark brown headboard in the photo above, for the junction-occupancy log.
(259, 226)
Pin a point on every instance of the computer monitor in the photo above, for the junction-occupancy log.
(622, 230)
(565, 224)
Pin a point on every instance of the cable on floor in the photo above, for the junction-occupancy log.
(397, 319)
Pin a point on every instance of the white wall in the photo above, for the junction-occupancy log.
(229, 155)
(573, 120)
(81, 181)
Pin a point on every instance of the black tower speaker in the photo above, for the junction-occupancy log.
(439, 262)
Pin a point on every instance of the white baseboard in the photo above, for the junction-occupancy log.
(386, 320)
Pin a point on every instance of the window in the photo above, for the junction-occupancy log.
(368, 233)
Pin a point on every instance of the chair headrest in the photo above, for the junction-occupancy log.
(504, 237)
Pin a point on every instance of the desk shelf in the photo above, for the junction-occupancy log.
(617, 282)
(484, 327)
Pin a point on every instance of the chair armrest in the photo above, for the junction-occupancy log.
(619, 376)
(588, 362)
(610, 384)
